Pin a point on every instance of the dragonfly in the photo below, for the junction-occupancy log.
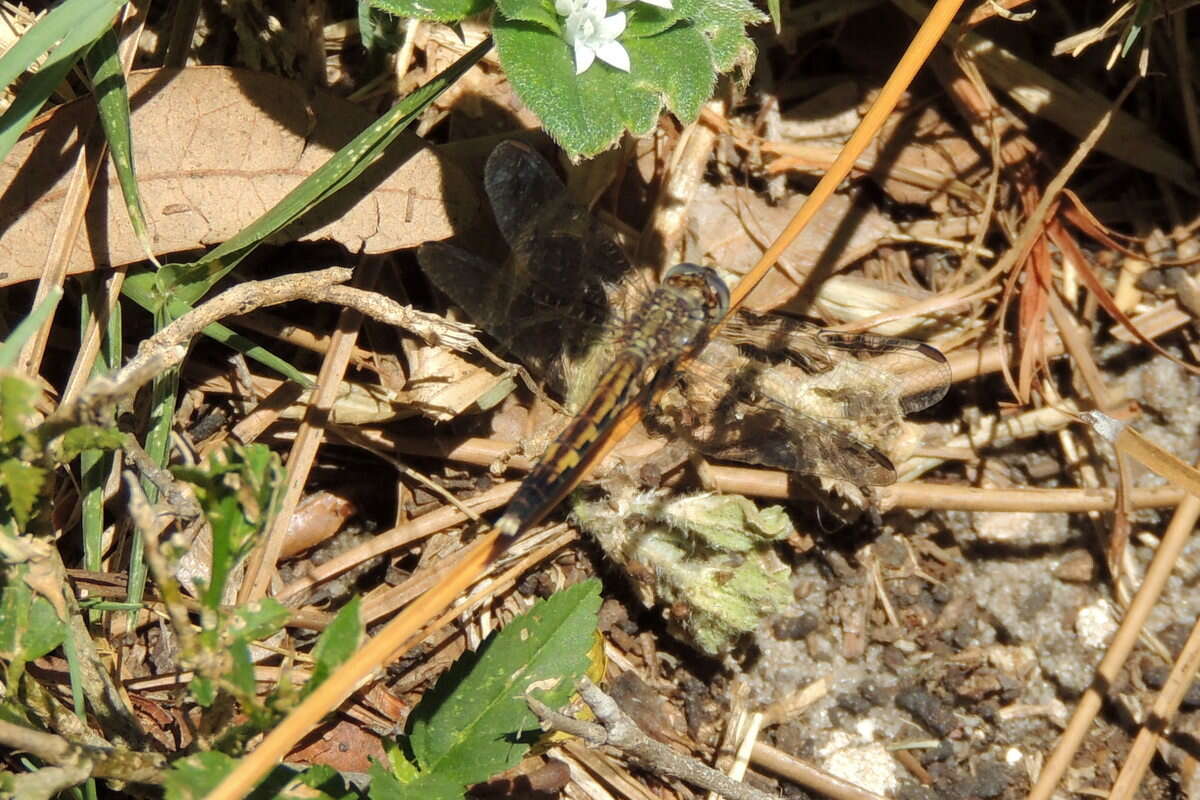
(768, 390)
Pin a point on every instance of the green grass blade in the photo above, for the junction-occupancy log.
(10, 348)
(94, 464)
(74, 26)
(72, 18)
(112, 99)
(189, 282)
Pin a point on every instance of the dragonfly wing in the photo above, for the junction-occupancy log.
(549, 304)
(871, 375)
(520, 184)
(921, 372)
(531, 333)
(768, 434)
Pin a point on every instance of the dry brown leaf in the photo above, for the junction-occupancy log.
(214, 148)
(718, 234)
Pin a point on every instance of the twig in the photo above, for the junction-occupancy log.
(808, 776)
(617, 730)
(261, 565)
(167, 348)
(1128, 441)
(1165, 706)
(1165, 558)
(98, 761)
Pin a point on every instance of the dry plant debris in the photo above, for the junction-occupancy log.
(1017, 615)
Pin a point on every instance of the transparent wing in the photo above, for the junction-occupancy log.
(869, 375)
(791, 395)
(549, 304)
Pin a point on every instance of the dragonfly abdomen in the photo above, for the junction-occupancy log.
(567, 456)
(668, 326)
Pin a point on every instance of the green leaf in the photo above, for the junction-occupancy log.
(23, 482)
(381, 33)
(29, 628)
(17, 395)
(385, 786)
(540, 11)
(645, 20)
(437, 10)
(584, 113)
(203, 690)
(194, 777)
(241, 674)
(474, 723)
(238, 489)
(327, 782)
(258, 620)
(723, 23)
(676, 63)
(89, 437)
(338, 642)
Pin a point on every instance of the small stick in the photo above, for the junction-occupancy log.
(1129, 442)
(617, 730)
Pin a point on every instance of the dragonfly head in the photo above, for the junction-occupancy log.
(695, 278)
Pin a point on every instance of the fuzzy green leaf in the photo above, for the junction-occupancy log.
(677, 64)
(437, 10)
(17, 395)
(474, 723)
(539, 11)
(258, 620)
(723, 23)
(584, 113)
(23, 484)
(645, 20)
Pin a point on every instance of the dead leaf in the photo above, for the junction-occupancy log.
(721, 233)
(214, 148)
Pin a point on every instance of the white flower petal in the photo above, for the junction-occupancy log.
(594, 8)
(565, 8)
(612, 27)
(614, 54)
(584, 56)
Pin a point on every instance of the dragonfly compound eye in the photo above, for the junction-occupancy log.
(716, 292)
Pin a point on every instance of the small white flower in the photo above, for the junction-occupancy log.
(592, 34)
(660, 3)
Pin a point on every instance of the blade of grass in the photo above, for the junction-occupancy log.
(71, 651)
(112, 100)
(10, 348)
(96, 465)
(68, 31)
(178, 285)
